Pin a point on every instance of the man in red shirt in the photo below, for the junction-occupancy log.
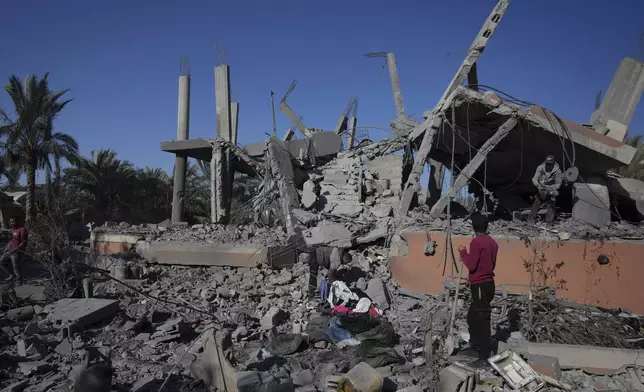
(15, 248)
(480, 261)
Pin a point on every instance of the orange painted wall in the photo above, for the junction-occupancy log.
(617, 284)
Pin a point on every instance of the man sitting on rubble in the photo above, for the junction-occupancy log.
(547, 179)
(480, 261)
(328, 257)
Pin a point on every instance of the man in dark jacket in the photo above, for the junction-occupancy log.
(547, 179)
(329, 258)
(480, 261)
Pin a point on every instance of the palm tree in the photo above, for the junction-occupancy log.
(104, 183)
(29, 133)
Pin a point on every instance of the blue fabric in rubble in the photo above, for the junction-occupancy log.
(324, 290)
(335, 332)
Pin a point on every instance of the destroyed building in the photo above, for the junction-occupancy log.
(238, 320)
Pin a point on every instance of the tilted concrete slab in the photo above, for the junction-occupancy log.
(192, 253)
(599, 360)
(319, 144)
(539, 133)
(81, 311)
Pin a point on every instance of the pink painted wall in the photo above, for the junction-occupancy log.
(617, 284)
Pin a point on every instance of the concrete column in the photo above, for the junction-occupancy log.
(219, 211)
(181, 161)
(222, 102)
(234, 114)
(224, 131)
(435, 186)
(353, 122)
(623, 95)
(395, 84)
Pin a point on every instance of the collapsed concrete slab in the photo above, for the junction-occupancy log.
(81, 312)
(330, 235)
(629, 194)
(598, 360)
(216, 254)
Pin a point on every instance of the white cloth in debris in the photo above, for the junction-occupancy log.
(340, 294)
(363, 305)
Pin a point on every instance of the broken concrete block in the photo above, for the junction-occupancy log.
(21, 314)
(377, 291)
(398, 246)
(320, 374)
(347, 209)
(330, 235)
(253, 381)
(274, 317)
(309, 195)
(32, 292)
(453, 379)
(22, 348)
(381, 211)
(148, 384)
(591, 202)
(376, 234)
(213, 368)
(304, 217)
(33, 368)
(545, 365)
(82, 311)
(65, 347)
(302, 378)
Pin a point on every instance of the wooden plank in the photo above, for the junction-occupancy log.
(474, 164)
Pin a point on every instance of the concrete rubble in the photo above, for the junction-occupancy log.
(221, 304)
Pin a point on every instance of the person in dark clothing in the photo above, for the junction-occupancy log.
(326, 257)
(480, 261)
(547, 179)
(14, 250)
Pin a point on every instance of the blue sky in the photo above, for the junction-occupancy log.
(121, 60)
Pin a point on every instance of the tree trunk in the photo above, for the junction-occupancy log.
(30, 207)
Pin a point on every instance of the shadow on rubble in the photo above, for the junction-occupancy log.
(350, 275)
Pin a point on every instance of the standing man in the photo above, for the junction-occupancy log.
(547, 179)
(329, 258)
(480, 261)
(14, 249)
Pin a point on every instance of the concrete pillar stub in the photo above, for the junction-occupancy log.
(181, 162)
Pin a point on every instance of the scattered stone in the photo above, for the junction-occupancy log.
(409, 304)
(33, 368)
(361, 284)
(274, 317)
(309, 196)
(381, 211)
(142, 337)
(418, 361)
(225, 292)
(65, 347)
(320, 374)
(31, 329)
(321, 345)
(30, 292)
(284, 278)
(22, 348)
(302, 378)
(239, 333)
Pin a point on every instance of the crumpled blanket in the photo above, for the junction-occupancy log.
(340, 294)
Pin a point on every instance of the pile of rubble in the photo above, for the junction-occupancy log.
(255, 329)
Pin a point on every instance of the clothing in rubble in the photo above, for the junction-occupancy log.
(335, 332)
(376, 336)
(330, 258)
